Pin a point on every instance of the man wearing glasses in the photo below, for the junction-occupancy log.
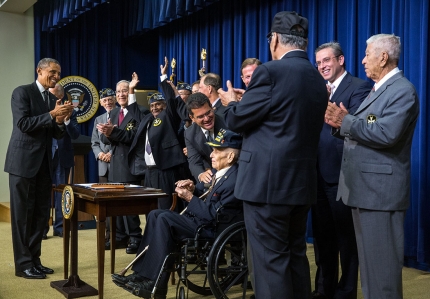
(206, 122)
(333, 229)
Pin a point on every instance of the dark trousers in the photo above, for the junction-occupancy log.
(334, 237)
(163, 231)
(29, 208)
(128, 226)
(164, 180)
(276, 236)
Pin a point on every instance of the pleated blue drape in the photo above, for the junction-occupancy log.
(111, 40)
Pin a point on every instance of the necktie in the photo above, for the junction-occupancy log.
(46, 99)
(332, 87)
(121, 117)
(371, 92)
(148, 147)
(208, 136)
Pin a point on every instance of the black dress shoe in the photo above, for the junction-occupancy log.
(31, 273)
(122, 280)
(58, 234)
(44, 237)
(43, 269)
(132, 247)
(144, 289)
(119, 243)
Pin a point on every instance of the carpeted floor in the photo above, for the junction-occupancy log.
(415, 283)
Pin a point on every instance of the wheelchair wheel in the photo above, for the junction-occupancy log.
(181, 293)
(227, 263)
(194, 275)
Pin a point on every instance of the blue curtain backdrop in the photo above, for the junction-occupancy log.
(111, 40)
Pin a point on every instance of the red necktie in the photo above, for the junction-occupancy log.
(121, 117)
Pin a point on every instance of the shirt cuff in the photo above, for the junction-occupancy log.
(67, 122)
(131, 98)
(163, 77)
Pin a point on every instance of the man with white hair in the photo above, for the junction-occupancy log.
(375, 172)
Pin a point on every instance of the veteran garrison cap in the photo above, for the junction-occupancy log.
(106, 92)
(285, 22)
(184, 86)
(226, 138)
(155, 97)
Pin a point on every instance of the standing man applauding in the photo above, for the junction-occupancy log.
(29, 164)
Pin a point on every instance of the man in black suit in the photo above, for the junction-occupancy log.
(165, 229)
(155, 150)
(209, 85)
(333, 229)
(128, 232)
(63, 157)
(280, 116)
(205, 123)
(37, 118)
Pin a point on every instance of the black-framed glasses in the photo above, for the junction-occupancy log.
(325, 60)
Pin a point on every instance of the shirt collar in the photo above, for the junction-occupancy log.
(336, 82)
(386, 77)
(40, 87)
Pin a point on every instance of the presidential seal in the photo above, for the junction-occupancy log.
(67, 202)
(83, 95)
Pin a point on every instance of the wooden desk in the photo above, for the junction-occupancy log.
(100, 203)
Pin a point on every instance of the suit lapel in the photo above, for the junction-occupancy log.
(223, 179)
(377, 93)
(341, 88)
(38, 96)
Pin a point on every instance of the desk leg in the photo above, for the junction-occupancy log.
(66, 246)
(112, 243)
(101, 228)
(74, 287)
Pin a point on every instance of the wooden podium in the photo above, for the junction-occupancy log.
(81, 147)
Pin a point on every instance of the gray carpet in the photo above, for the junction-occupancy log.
(416, 283)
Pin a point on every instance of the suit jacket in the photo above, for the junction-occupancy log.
(198, 151)
(281, 116)
(351, 92)
(120, 146)
(376, 165)
(219, 109)
(162, 134)
(98, 146)
(221, 196)
(65, 147)
(32, 133)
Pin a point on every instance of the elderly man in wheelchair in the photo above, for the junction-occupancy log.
(166, 229)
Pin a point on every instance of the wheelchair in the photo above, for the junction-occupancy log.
(215, 267)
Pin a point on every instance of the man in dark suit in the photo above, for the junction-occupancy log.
(165, 229)
(205, 123)
(128, 232)
(280, 116)
(63, 157)
(332, 225)
(209, 85)
(375, 172)
(37, 118)
(155, 150)
(102, 152)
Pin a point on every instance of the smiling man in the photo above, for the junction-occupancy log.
(205, 123)
(29, 164)
(332, 225)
